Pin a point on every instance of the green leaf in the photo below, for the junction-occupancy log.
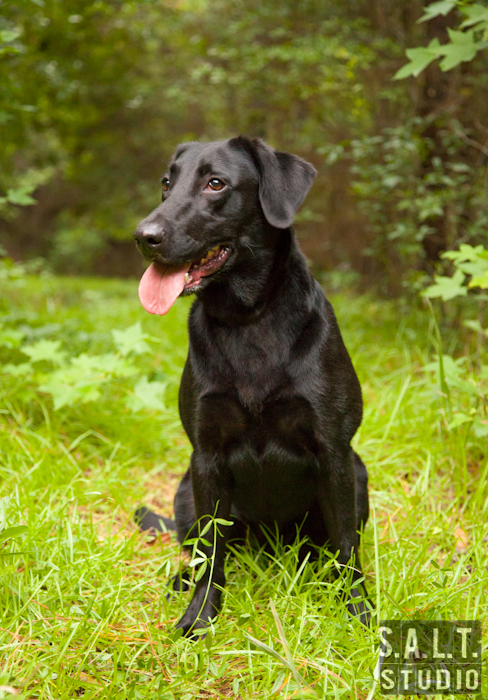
(45, 350)
(8, 35)
(443, 7)
(147, 396)
(453, 372)
(206, 528)
(459, 419)
(107, 363)
(476, 327)
(10, 337)
(197, 561)
(474, 14)
(462, 47)
(420, 58)
(65, 394)
(13, 532)
(20, 196)
(447, 287)
(480, 281)
(480, 427)
(89, 364)
(78, 382)
(242, 619)
(131, 340)
(472, 261)
(466, 252)
(201, 571)
(120, 367)
(21, 370)
(429, 206)
(391, 181)
(334, 153)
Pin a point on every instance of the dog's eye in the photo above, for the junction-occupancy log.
(165, 183)
(216, 184)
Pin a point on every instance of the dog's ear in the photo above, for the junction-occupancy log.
(284, 180)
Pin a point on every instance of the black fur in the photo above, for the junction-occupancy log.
(269, 397)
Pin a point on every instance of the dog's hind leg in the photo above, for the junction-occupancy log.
(337, 499)
(362, 500)
(184, 507)
(147, 520)
(185, 526)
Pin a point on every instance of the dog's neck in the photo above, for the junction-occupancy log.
(262, 274)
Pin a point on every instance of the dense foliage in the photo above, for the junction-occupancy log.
(94, 96)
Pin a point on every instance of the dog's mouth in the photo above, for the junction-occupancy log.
(206, 266)
(162, 284)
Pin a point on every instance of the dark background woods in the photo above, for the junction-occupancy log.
(96, 94)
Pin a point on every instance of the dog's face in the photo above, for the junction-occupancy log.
(211, 193)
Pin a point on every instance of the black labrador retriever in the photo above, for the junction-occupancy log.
(269, 397)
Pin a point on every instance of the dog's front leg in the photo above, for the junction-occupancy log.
(212, 495)
(337, 498)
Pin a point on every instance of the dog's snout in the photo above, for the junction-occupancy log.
(150, 235)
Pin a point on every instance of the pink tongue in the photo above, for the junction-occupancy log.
(160, 286)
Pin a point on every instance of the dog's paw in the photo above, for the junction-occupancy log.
(203, 608)
(147, 520)
(191, 628)
(192, 623)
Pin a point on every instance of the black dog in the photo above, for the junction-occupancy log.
(269, 397)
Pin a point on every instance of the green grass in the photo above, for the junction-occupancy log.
(82, 592)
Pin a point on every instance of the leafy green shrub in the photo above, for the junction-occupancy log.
(404, 192)
(70, 380)
(463, 384)
(46, 367)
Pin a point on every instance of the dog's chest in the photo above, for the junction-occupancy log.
(271, 453)
(254, 364)
(273, 461)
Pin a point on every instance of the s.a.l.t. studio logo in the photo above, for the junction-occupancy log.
(430, 658)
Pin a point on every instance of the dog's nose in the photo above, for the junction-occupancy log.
(150, 235)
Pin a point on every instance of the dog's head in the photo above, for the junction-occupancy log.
(215, 195)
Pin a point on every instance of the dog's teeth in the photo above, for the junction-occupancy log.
(187, 277)
(211, 254)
